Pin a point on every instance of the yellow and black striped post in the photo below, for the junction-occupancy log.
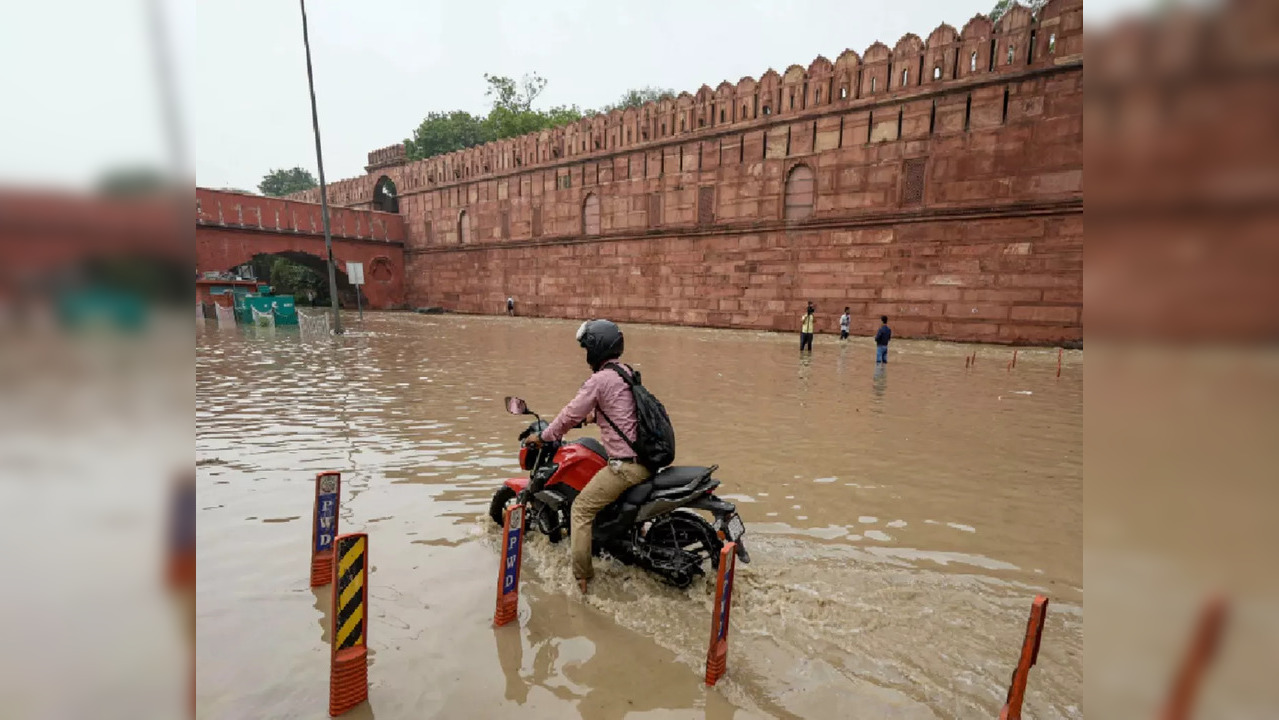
(349, 669)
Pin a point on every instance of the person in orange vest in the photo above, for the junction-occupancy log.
(806, 329)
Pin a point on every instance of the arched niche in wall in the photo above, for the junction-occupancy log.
(801, 193)
(385, 196)
(463, 228)
(591, 215)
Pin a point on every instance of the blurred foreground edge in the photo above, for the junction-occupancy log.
(57, 243)
(1181, 120)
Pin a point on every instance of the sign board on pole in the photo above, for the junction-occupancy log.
(508, 577)
(324, 527)
(355, 273)
(717, 653)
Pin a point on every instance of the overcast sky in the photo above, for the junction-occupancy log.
(380, 67)
(80, 93)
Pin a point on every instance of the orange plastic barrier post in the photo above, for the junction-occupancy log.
(1181, 700)
(508, 576)
(349, 666)
(180, 571)
(324, 526)
(1029, 655)
(717, 653)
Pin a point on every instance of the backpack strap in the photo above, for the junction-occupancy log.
(617, 429)
(631, 379)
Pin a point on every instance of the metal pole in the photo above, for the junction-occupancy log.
(168, 96)
(324, 195)
(359, 302)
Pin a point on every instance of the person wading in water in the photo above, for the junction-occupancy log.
(806, 330)
(882, 336)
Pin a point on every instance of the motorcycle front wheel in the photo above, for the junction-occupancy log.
(502, 499)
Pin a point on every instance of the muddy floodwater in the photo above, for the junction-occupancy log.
(900, 521)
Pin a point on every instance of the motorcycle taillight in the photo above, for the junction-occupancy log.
(526, 458)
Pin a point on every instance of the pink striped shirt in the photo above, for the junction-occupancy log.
(603, 391)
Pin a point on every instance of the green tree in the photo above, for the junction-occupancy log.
(130, 181)
(1002, 6)
(517, 96)
(510, 115)
(443, 133)
(279, 183)
(565, 114)
(638, 96)
(292, 278)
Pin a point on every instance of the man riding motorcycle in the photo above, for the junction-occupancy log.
(604, 393)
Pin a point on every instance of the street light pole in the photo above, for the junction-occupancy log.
(324, 196)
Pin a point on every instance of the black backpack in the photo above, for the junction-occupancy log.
(654, 444)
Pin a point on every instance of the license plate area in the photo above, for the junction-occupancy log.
(736, 528)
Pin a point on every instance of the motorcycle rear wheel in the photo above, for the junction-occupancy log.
(694, 537)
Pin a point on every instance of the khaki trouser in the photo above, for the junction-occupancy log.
(608, 484)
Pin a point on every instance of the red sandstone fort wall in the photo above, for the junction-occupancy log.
(961, 278)
(939, 182)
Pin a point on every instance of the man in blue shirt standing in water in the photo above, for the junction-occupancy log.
(882, 336)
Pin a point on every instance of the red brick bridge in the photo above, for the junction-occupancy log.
(231, 228)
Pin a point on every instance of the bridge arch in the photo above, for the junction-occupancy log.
(261, 264)
(231, 229)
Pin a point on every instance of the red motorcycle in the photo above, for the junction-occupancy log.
(652, 525)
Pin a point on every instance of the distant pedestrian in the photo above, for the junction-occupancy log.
(882, 336)
(844, 321)
(806, 330)
(510, 306)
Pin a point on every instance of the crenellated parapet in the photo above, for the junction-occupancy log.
(982, 49)
(390, 156)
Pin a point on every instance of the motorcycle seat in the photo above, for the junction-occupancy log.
(679, 475)
(666, 478)
(638, 493)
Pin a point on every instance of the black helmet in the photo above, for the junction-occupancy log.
(603, 341)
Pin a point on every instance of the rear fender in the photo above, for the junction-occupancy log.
(517, 484)
(713, 504)
(722, 510)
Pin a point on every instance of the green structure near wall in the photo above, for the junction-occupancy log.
(258, 307)
(252, 304)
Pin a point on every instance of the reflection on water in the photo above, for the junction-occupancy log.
(880, 383)
(898, 532)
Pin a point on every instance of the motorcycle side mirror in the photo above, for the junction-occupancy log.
(516, 406)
